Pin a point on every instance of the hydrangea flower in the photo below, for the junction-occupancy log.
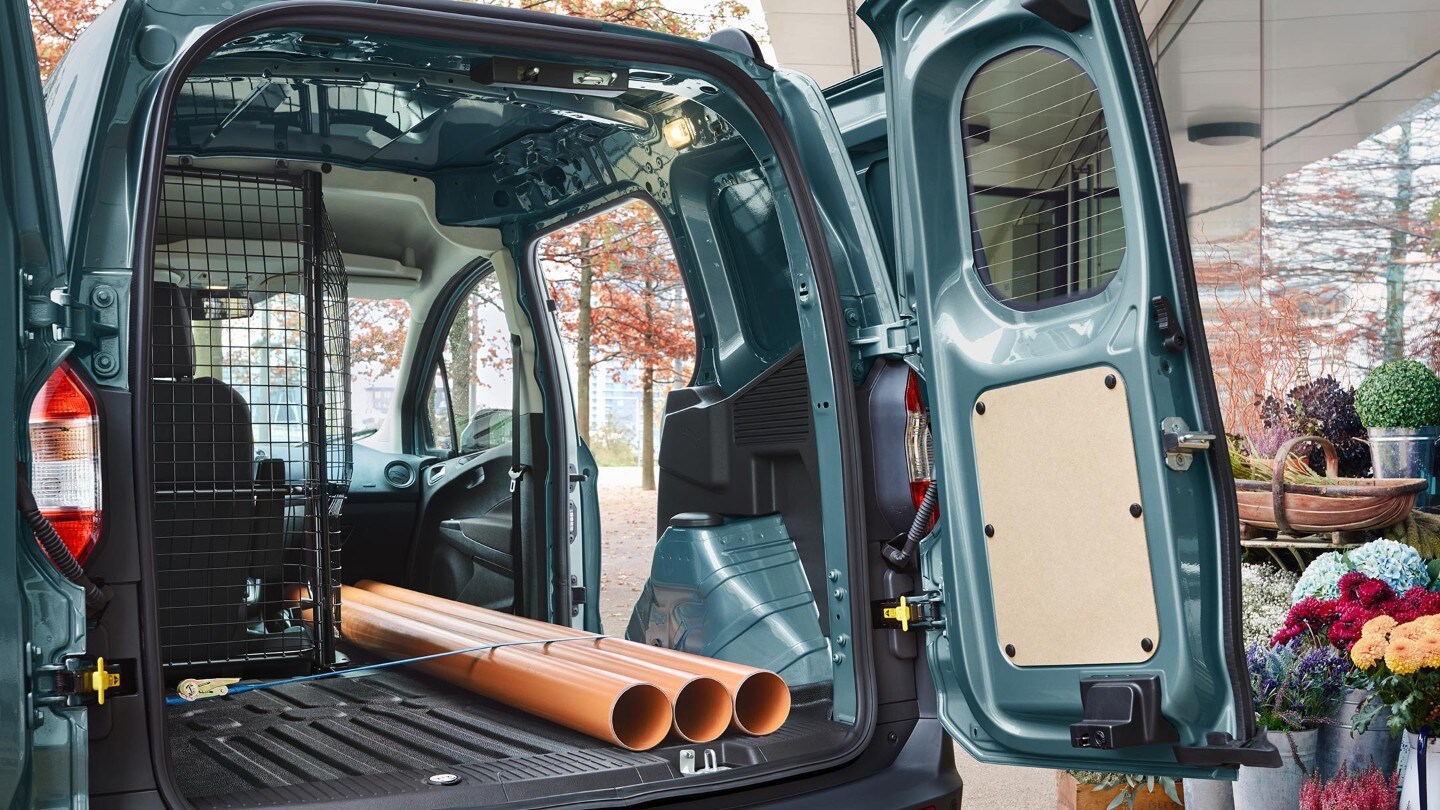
(1322, 577)
(1396, 564)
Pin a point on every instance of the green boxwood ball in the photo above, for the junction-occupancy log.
(1399, 394)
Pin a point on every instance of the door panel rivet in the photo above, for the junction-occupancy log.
(1146, 644)
(1135, 510)
(980, 408)
(1010, 650)
(1110, 381)
(989, 530)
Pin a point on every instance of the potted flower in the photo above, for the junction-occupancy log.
(1370, 788)
(1334, 598)
(1295, 686)
(1399, 662)
(1399, 404)
(1096, 790)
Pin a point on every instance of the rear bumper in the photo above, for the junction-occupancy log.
(921, 774)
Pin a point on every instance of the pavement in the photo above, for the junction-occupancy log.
(627, 518)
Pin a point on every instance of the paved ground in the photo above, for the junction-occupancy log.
(627, 516)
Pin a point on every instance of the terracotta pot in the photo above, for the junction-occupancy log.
(1075, 796)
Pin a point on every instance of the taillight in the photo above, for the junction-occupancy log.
(919, 448)
(65, 467)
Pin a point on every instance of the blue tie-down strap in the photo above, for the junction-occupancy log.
(193, 689)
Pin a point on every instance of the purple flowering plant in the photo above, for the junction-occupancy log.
(1296, 684)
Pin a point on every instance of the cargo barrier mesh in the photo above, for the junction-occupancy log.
(250, 421)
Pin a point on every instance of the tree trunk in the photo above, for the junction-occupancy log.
(461, 367)
(1394, 334)
(584, 363)
(647, 428)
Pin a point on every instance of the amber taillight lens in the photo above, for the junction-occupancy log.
(65, 467)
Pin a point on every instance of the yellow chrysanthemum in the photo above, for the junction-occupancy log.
(1369, 650)
(1412, 630)
(1380, 625)
(1404, 656)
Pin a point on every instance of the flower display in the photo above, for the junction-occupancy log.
(1295, 686)
(1341, 621)
(1399, 662)
(1396, 564)
(1322, 577)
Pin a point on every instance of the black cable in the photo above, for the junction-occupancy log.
(55, 548)
(899, 556)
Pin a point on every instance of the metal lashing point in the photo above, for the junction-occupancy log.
(444, 779)
(709, 764)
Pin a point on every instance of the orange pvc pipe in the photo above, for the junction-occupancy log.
(762, 700)
(702, 705)
(622, 711)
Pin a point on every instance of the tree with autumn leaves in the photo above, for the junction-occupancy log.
(619, 295)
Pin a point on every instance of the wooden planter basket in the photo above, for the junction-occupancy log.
(1349, 504)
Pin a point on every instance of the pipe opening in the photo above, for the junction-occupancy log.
(641, 717)
(702, 710)
(762, 703)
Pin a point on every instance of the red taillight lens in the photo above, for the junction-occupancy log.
(65, 467)
(919, 448)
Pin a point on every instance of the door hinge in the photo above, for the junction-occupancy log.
(1180, 442)
(919, 612)
(82, 680)
(899, 338)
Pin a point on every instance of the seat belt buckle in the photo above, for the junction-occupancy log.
(516, 473)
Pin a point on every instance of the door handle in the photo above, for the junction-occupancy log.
(1180, 442)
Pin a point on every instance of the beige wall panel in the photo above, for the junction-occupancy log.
(1069, 564)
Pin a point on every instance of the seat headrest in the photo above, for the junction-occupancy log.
(172, 344)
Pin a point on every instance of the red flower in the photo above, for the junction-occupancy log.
(1308, 616)
(1345, 630)
(1350, 583)
(1415, 603)
(1372, 592)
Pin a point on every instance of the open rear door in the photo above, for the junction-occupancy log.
(42, 619)
(1084, 569)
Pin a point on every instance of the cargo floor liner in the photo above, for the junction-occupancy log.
(377, 738)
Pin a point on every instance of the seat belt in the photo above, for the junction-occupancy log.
(518, 469)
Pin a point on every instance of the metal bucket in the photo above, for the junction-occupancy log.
(1340, 745)
(1279, 787)
(1209, 794)
(1405, 453)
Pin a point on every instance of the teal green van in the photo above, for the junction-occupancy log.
(948, 445)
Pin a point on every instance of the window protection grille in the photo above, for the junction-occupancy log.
(250, 422)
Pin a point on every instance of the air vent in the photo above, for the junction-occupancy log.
(399, 474)
(776, 410)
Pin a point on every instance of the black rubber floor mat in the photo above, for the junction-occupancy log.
(351, 739)
(339, 727)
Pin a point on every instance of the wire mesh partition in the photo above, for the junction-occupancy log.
(249, 422)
